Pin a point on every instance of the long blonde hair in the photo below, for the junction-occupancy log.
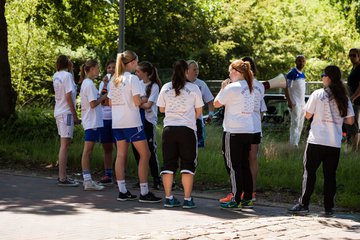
(121, 61)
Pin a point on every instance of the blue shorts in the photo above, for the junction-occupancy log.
(129, 134)
(92, 135)
(106, 135)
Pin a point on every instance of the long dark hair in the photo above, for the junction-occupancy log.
(178, 78)
(152, 73)
(337, 88)
(245, 69)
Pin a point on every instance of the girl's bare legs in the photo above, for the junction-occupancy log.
(63, 157)
(144, 152)
(254, 165)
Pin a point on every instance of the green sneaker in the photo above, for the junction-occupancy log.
(171, 203)
(247, 204)
(233, 205)
(189, 204)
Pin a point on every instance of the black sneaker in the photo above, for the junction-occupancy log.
(126, 196)
(67, 182)
(149, 198)
(328, 213)
(299, 209)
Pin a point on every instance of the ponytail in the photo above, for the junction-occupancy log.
(178, 79)
(245, 69)
(121, 61)
(152, 73)
(85, 68)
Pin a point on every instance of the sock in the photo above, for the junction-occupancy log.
(187, 199)
(108, 172)
(170, 197)
(122, 186)
(86, 175)
(144, 189)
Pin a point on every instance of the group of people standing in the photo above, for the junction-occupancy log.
(124, 111)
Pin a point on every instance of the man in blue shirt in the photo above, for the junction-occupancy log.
(295, 94)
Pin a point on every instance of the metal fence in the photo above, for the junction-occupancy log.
(215, 85)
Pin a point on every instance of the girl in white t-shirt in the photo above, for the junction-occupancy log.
(182, 104)
(237, 95)
(151, 84)
(91, 118)
(330, 108)
(106, 136)
(65, 113)
(124, 94)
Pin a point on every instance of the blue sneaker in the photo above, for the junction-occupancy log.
(247, 204)
(233, 205)
(171, 203)
(189, 204)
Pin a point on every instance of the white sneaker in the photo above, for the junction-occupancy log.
(92, 186)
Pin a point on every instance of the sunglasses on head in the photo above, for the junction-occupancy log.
(323, 75)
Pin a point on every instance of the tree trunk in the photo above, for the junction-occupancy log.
(7, 93)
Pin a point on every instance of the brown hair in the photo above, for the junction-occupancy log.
(245, 69)
(152, 73)
(178, 78)
(85, 68)
(62, 63)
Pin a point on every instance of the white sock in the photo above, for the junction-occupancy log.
(187, 199)
(170, 197)
(87, 176)
(144, 189)
(122, 186)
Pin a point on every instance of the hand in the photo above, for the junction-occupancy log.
(76, 120)
(209, 119)
(225, 83)
(106, 79)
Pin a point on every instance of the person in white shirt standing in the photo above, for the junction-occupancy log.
(207, 97)
(330, 108)
(92, 120)
(237, 95)
(124, 95)
(65, 113)
(151, 83)
(182, 104)
(259, 109)
(106, 137)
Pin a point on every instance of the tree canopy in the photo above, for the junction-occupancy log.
(212, 32)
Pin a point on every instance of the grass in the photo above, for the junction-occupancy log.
(30, 140)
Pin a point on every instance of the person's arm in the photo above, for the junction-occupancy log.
(198, 112)
(68, 97)
(162, 109)
(137, 100)
(224, 83)
(349, 120)
(96, 102)
(356, 94)
(211, 111)
(287, 95)
(147, 105)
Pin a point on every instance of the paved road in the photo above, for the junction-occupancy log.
(33, 207)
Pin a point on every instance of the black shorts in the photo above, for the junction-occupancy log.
(256, 138)
(179, 144)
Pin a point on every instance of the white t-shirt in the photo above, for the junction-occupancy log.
(124, 112)
(90, 117)
(259, 105)
(151, 113)
(180, 110)
(205, 92)
(239, 107)
(63, 83)
(326, 127)
(106, 109)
